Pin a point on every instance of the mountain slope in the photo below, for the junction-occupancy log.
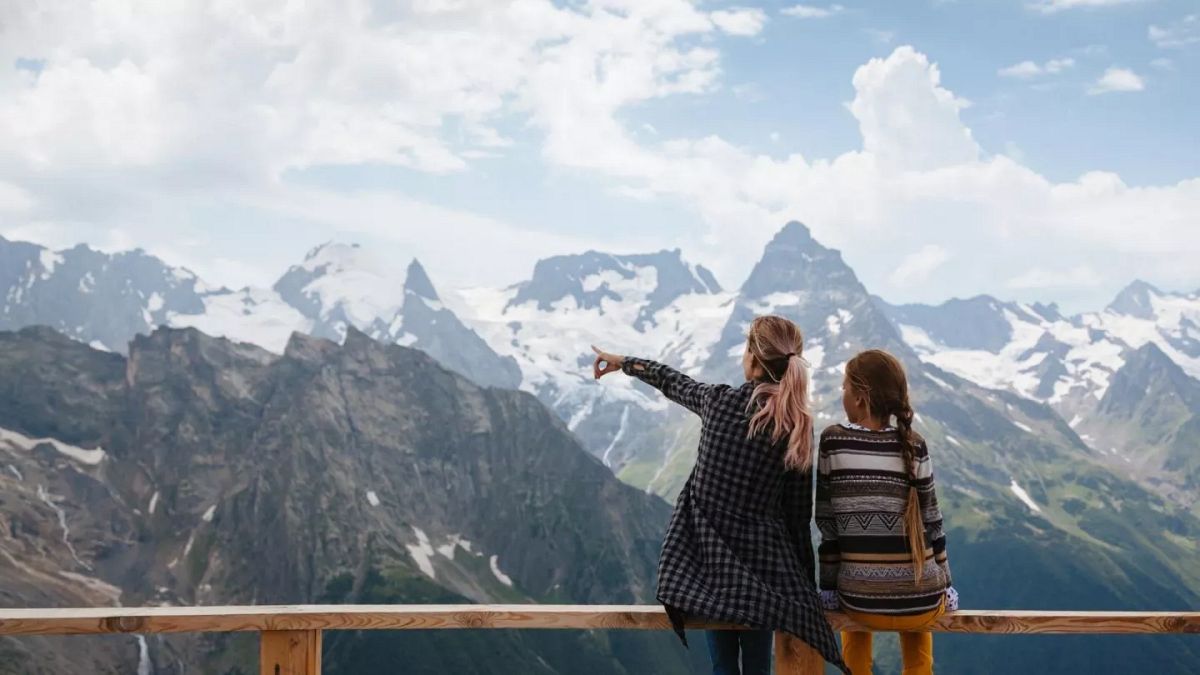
(362, 472)
(1147, 422)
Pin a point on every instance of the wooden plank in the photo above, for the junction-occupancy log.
(793, 656)
(1051, 622)
(290, 652)
(401, 617)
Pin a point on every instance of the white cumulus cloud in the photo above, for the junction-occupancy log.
(740, 21)
(907, 119)
(1117, 80)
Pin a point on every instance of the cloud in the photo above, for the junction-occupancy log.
(906, 118)
(254, 93)
(1163, 64)
(158, 123)
(918, 265)
(1040, 278)
(740, 21)
(1117, 80)
(919, 174)
(14, 198)
(812, 11)
(153, 118)
(1029, 69)
(1055, 6)
(1182, 33)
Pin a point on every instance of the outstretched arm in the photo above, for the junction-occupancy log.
(673, 384)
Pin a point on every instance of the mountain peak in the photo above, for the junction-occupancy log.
(1151, 382)
(330, 250)
(793, 260)
(651, 280)
(794, 232)
(1150, 354)
(417, 281)
(1135, 300)
(978, 322)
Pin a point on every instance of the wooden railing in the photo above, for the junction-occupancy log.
(291, 634)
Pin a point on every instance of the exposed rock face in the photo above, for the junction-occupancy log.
(202, 471)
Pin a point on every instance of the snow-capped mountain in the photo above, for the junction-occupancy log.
(1123, 376)
(94, 297)
(656, 305)
(1035, 351)
(339, 286)
(106, 299)
(799, 278)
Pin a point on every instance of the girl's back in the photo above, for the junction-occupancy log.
(862, 494)
(883, 548)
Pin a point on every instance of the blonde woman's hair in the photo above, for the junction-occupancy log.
(781, 403)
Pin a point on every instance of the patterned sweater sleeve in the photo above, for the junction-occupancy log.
(798, 513)
(828, 552)
(930, 513)
(673, 384)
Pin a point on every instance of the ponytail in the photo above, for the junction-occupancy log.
(782, 403)
(914, 524)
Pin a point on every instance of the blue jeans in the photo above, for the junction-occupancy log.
(754, 647)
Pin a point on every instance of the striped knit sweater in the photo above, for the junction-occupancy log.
(862, 489)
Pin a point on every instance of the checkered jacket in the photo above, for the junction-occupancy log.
(738, 548)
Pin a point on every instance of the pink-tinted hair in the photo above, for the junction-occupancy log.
(781, 400)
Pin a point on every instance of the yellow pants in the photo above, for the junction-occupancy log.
(915, 647)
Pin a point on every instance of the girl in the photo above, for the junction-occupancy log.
(883, 551)
(737, 549)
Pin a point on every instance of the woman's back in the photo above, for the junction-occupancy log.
(862, 492)
(733, 470)
(737, 549)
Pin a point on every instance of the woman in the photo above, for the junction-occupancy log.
(883, 551)
(737, 549)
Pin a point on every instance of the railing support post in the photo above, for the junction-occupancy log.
(290, 652)
(793, 656)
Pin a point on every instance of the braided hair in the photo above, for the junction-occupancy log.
(880, 377)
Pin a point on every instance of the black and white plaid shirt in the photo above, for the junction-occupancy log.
(738, 547)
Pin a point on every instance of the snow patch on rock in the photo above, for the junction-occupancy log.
(1023, 495)
(494, 563)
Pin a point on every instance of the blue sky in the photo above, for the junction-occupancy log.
(1031, 150)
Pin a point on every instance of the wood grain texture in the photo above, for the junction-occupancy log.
(402, 617)
(793, 656)
(290, 652)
